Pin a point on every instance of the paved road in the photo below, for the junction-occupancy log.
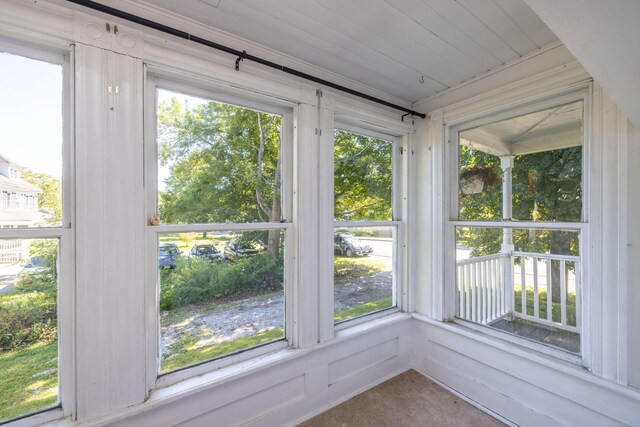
(8, 273)
(381, 248)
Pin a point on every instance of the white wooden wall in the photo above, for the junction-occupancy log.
(520, 384)
(110, 381)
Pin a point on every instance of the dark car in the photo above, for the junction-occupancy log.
(167, 253)
(206, 252)
(348, 245)
(235, 250)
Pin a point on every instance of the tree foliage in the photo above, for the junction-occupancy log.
(224, 163)
(50, 200)
(225, 166)
(547, 186)
(363, 177)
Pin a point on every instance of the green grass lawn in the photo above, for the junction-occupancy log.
(187, 353)
(362, 309)
(346, 269)
(28, 379)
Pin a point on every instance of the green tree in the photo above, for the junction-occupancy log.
(546, 186)
(363, 177)
(50, 200)
(225, 165)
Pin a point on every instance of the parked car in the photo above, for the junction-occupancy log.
(235, 250)
(167, 254)
(206, 252)
(33, 267)
(348, 245)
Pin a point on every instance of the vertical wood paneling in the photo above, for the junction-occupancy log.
(110, 209)
(305, 216)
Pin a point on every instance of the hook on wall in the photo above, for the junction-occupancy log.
(240, 58)
(421, 80)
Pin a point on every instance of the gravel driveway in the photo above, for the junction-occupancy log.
(213, 323)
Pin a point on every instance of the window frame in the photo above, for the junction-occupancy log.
(64, 233)
(397, 222)
(160, 79)
(478, 117)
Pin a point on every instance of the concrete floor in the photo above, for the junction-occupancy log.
(409, 399)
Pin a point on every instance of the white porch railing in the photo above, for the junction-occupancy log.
(481, 292)
(11, 250)
(535, 271)
(485, 289)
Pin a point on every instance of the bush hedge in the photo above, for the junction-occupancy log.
(28, 313)
(196, 280)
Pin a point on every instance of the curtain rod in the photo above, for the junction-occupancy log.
(241, 55)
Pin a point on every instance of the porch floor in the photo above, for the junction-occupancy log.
(409, 399)
(565, 340)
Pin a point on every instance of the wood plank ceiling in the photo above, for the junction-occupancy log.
(411, 49)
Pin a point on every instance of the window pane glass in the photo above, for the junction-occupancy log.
(363, 177)
(490, 279)
(30, 155)
(363, 271)
(217, 162)
(220, 293)
(541, 151)
(28, 326)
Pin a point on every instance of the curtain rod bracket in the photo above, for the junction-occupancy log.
(240, 58)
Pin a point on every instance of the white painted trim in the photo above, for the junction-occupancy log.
(496, 70)
(531, 225)
(32, 233)
(560, 87)
(467, 399)
(362, 224)
(364, 318)
(232, 226)
(325, 227)
(485, 369)
(522, 342)
(201, 368)
(211, 392)
(306, 292)
(207, 88)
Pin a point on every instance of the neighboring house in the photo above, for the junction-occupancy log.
(18, 208)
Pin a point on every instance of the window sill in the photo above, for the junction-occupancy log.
(365, 318)
(212, 375)
(518, 346)
(241, 357)
(45, 416)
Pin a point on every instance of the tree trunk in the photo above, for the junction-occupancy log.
(559, 245)
(273, 243)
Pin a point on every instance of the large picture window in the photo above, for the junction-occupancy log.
(222, 232)
(366, 224)
(34, 247)
(519, 205)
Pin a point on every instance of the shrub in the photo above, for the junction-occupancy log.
(28, 313)
(196, 280)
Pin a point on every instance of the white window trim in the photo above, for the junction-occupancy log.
(193, 86)
(475, 115)
(64, 233)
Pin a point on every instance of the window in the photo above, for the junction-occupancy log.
(222, 175)
(366, 223)
(34, 248)
(519, 210)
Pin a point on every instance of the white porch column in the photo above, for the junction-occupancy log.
(506, 162)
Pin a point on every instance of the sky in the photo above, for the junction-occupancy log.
(31, 113)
